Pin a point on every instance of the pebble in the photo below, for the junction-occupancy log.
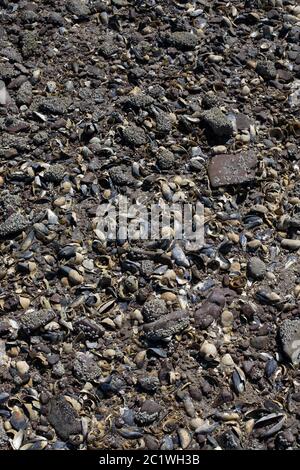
(226, 318)
(290, 244)
(55, 106)
(256, 268)
(290, 338)
(266, 70)
(22, 367)
(78, 8)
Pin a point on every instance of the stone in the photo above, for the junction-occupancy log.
(85, 367)
(209, 100)
(153, 309)
(140, 100)
(54, 173)
(231, 169)
(289, 333)
(242, 121)
(163, 122)
(165, 159)
(181, 40)
(29, 43)
(62, 416)
(290, 244)
(260, 342)
(217, 123)
(134, 135)
(14, 224)
(3, 435)
(121, 175)
(167, 326)
(79, 9)
(24, 95)
(53, 106)
(34, 319)
(149, 412)
(149, 383)
(256, 268)
(266, 70)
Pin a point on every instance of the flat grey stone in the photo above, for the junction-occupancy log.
(232, 169)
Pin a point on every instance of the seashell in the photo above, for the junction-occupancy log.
(208, 351)
(269, 425)
(238, 380)
(75, 278)
(271, 367)
(179, 257)
(18, 420)
(267, 297)
(16, 442)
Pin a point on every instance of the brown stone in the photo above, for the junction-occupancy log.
(232, 169)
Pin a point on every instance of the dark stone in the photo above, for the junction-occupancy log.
(181, 40)
(232, 169)
(13, 225)
(260, 342)
(62, 416)
(34, 319)
(266, 70)
(167, 326)
(217, 123)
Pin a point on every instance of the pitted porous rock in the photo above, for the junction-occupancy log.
(88, 328)
(34, 319)
(163, 122)
(54, 173)
(149, 383)
(53, 106)
(85, 367)
(149, 412)
(78, 8)
(24, 95)
(290, 338)
(181, 40)
(217, 122)
(9, 142)
(165, 159)
(134, 135)
(266, 70)
(140, 100)
(14, 224)
(167, 326)
(121, 175)
(10, 202)
(62, 416)
(153, 309)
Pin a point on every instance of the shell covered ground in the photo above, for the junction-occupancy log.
(132, 343)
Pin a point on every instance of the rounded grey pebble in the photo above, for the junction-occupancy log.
(256, 268)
